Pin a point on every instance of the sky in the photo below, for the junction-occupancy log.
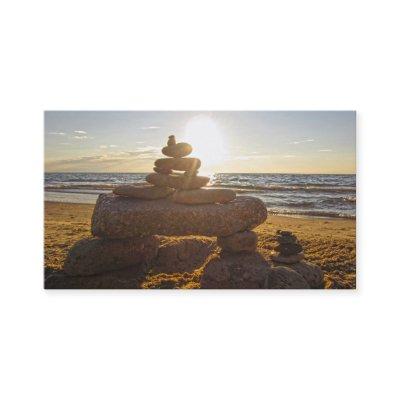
(236, 141)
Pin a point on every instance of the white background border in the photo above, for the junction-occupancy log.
(175, 55)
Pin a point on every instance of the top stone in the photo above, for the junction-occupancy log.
(118, 217)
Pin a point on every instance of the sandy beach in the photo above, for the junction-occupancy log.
(329, 243)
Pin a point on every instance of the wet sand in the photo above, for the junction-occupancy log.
(329, 243)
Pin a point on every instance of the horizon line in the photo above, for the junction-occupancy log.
(227, 173)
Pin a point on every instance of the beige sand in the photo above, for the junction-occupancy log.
(329, 243)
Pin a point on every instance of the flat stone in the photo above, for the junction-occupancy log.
(204, 196)
(235, 271)
(285, 278)
(289, 249)
(287, 259)
(93, 255)
(147, 192)
(162, 171)
(311, 273)
(241, 241)
(182, 254)
(123, 217)
(178, 164)
(177, 181)
(177, 150)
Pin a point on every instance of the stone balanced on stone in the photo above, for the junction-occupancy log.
(289, 270)
(127, 223)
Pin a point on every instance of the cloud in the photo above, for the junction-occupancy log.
(66, 144)
(325, 150)
(252, 157)
(105, 146)
(302, 141)
(81, 137)
(57, 133)
(150, 127)
(112, 145)
(81, 132)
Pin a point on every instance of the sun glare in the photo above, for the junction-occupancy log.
(207, 141)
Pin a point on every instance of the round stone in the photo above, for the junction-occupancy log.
(204, 196)
(241, 241)
(178, 164)
(143, 192)
(311, 273)
(289, 249)
(285, 278)
(177, 150)
(123, 217)
(162, 171)
(93, 255)
(235, 271)
(287, 259)
(177, 181)
(182, 254)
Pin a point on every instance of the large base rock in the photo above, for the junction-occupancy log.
(178, 255)
(235, 271)
(121, 217)
(93, 255)
(285, 278)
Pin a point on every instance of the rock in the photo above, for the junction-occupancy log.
(285, 278)
(285, 237)
(143, 192)
(162, 171)
(204, 196)
(127, 278)
(177, 181)
(171, 140)
(123, 217)
(311, 273)
(177, 150)
(93, 255)
(191, 173)
(289, 249)
(178, 164)
(241, 241)
(235, 271)
(178, 255)
(287, 259)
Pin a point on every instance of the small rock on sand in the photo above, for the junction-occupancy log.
(204, 196)
(241, 241)
(235, 271)
(93, 255)
(285, 278)
(312, 274)
(147, 192)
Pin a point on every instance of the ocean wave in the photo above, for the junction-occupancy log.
(312, 213)
(292, 188)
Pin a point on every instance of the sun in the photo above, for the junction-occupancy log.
(207, 140)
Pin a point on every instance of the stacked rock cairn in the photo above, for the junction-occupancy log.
(128, 223)
(289, 270)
